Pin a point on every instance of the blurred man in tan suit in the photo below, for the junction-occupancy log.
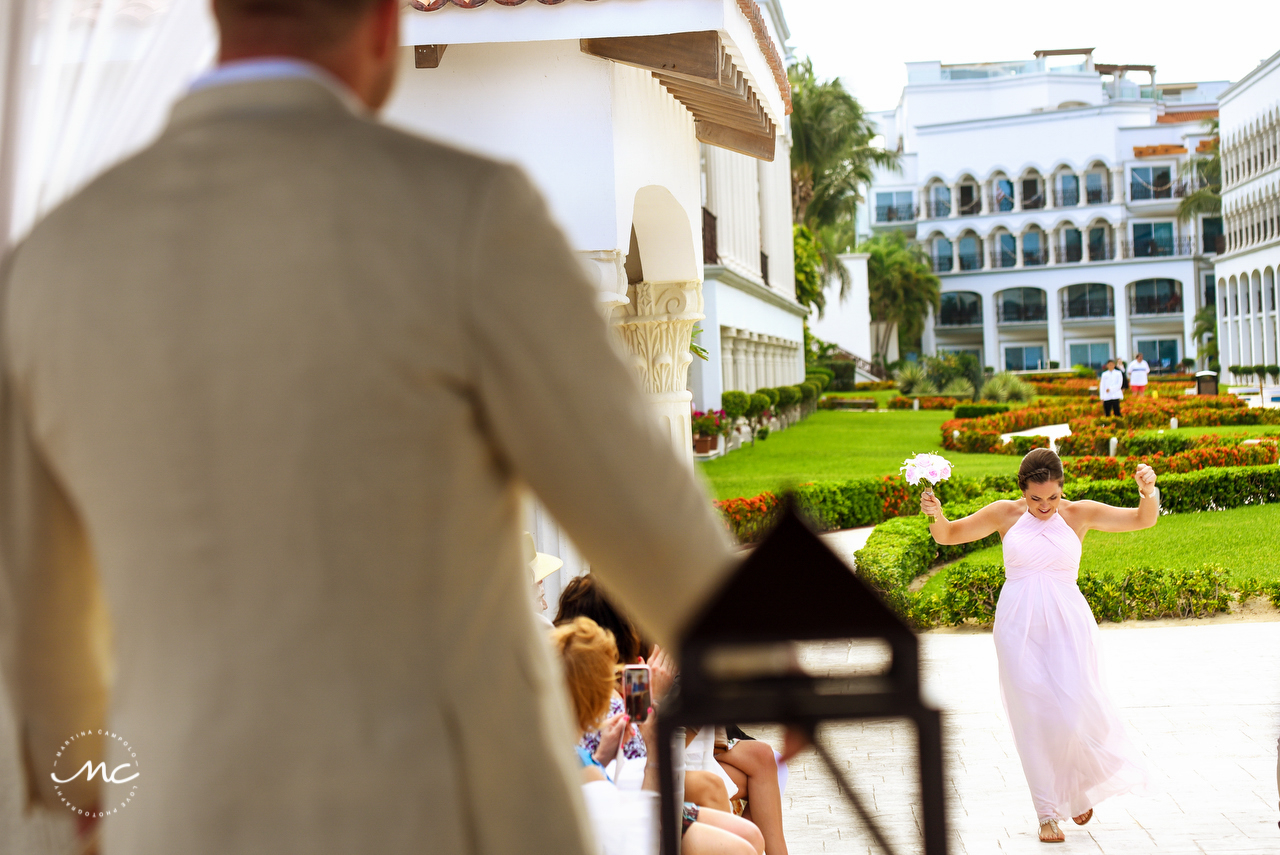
(270, 390)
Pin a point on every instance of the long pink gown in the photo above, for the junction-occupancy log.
(1071, 741)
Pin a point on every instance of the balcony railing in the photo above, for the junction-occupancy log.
(1070, 253)
(970, 261)
(942, 264)
(1147, 304)
(1034, 203)
(1141, 192)
(1084, 308)
(936, 209)
(969, 317)
(1103, 252)
(1021, 313)
(971, 208)
(1157, 248)
(1069, 198)
(1004, 258)
(1035, 257)
(1096, 196)
(896, 213)
(710, 244)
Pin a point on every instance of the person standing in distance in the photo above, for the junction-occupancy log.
(1110, 390)
(1138, 371)
(270, 392)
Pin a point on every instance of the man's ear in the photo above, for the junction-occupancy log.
(387, 27)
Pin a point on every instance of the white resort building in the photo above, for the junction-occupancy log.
(1248, 328)
(1045, 192)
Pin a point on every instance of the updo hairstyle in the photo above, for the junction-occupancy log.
(1040, 466)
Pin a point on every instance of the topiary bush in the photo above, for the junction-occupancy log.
(788, 396)
(771, 394)
(734, 404)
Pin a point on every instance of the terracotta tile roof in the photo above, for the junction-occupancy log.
(1187, 116)
(749, 8)
(434, 5)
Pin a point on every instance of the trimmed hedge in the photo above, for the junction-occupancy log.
(898, 402)
(1140, 593)
(902, 549)
(1195, 459)
(982, 435)
(973, 411)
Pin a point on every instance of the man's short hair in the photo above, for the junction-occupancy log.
(316, 23)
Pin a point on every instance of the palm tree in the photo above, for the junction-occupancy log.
(1206, 172)
(1206, 327)
(902, 284)
(831, 160)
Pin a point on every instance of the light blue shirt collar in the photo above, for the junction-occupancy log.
(273, 68)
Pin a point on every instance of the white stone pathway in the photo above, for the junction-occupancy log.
(1201, 700)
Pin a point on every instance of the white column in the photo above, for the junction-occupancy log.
(762, 364)
(740, 361)
(728, 336)
(984, 197)
(1017, 194)
(1017, 250)
(1189, 320)
(1121, 298)
(990, 333)
(659, 347)
(1226, 340)
(1117, 185)
(928, 340)
(1052, 238)
(1082, 189)
(1055, 326)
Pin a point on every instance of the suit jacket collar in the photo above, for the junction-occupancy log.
(273, 95)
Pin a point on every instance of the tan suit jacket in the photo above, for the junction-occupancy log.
(270, 392)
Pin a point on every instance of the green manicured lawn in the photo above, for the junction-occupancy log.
(880, 396)
(1242, 540)
(1223, 430)
(832, 445)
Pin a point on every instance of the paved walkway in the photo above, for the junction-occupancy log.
(1202, 702)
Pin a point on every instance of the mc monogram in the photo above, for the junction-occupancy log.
(121, 761)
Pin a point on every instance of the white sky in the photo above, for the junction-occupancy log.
(866, 43)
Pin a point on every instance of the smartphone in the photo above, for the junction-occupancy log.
(635, 691)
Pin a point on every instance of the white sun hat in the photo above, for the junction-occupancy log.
(540, 564)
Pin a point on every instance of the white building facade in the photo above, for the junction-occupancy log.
(633, 118)
(1046, 193)
(754, 328)
(1248, 327)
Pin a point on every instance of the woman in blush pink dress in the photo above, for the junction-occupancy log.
(1071, 741)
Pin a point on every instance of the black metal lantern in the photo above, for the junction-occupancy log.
(734, 666)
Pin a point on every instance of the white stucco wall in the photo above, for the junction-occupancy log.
(544, 105)
(847, 322)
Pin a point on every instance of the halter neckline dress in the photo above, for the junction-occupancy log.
(1072, 744)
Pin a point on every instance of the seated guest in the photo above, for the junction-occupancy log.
(589, 656)
(582, 597)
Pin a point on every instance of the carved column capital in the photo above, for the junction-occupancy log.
(657, 325)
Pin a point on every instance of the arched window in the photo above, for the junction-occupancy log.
(941, 255)
(1157, 297)
(1022, 305)
(1088, 300)
(970, 253)
(960, 309)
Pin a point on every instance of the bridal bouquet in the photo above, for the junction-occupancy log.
(926, 467)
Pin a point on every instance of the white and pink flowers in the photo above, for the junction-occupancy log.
(926, 467)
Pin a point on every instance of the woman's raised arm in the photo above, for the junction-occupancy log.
(973, 527)
(1109, 518)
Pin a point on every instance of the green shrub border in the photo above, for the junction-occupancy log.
(901, 549)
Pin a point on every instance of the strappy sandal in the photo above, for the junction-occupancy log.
(1050, 833)
(1083, 818)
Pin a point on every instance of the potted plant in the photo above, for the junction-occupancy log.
(706, 431)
